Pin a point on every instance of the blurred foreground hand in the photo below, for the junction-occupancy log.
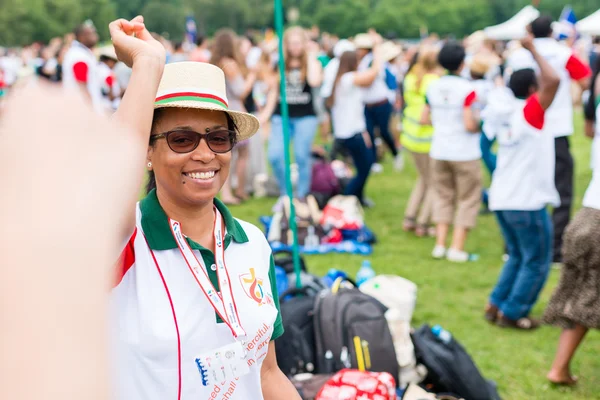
(67, 179)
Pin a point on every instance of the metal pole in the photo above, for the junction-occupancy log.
(286, 140)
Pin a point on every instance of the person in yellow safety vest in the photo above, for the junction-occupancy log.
(416, 138)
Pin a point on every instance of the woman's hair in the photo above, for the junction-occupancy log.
(348, 63)
(296, 31)
(227, 45)
(151, 184)
(426, 63)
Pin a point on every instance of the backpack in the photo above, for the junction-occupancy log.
(450, 367)
(351, 331)
(284, 260)
(349, 384)
(295, 349)
(324, 180)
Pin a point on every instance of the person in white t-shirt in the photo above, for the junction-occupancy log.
(80, 67)
(522, 187)
(575, 304)
(455, 151)
(111, 91)
(349, 122)
(569, 68)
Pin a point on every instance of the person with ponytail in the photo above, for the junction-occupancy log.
(349, 122)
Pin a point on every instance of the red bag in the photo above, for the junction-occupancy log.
(351, 384)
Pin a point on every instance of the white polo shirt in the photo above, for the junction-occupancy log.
(447, 98)
(81, 67)
(524, 176)
(592, 194)
(347, 113)
(378, 91)
(161, 320)
(559, 116)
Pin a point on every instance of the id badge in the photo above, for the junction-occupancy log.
(223, 364)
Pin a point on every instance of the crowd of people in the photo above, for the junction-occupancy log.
(458, 108)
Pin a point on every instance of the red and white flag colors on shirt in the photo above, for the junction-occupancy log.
(447, 98)
(161, 320)
(80, 67)
(568, 67)
(524, 176)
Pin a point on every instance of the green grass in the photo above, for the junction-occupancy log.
(454, 295)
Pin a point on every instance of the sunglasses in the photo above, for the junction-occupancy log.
(185, 141)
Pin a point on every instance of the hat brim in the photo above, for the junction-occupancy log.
(247, 124)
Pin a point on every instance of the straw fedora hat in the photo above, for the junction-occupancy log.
(389, 50)
(363, 41)
(199, 85)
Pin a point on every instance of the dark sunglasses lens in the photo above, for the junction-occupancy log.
(220, 141)
(183, 141)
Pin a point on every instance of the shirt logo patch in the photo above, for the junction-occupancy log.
(254, 288)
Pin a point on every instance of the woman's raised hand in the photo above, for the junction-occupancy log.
(133, 42)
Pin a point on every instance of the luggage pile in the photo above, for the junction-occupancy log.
(337, 227)
(345, 342)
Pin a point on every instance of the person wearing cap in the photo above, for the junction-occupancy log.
(378, 109)
(80, 66)
(111, 91)
(194, 307)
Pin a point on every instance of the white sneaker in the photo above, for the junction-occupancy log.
(376, 168)
(399, 162)
(438, 252)
(457, 256)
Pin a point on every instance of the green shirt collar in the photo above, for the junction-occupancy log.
(155, 224)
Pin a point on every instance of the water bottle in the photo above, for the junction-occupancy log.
(442, 334)
(365, 273)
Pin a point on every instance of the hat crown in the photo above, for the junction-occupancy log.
(191, 77)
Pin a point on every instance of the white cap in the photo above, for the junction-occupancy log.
(342, 46)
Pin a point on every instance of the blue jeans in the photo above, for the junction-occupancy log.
(380, 116)
(363, 160)
(528, 237)
(302, 132)
(488, 157)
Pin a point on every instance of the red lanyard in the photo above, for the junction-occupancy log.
(223, 302)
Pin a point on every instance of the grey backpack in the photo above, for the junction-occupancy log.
(351, 332)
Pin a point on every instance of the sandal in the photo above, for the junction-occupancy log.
(524, 324)
(491, 313)
(409, 224)
(421, 230)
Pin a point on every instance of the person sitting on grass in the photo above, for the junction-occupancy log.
(455, 154)
(522, 187)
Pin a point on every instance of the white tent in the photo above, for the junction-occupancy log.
(590, 25)
(514, 28)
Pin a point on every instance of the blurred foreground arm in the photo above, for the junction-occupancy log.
(69, 184)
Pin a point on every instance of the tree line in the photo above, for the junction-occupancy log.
(26, 21)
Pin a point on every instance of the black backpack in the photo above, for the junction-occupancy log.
(351, 331)
(285, 260)
(450, 368)
(295, 349)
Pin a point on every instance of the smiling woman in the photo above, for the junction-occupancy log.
(187, 280)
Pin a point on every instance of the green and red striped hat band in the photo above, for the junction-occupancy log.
(181, 94)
